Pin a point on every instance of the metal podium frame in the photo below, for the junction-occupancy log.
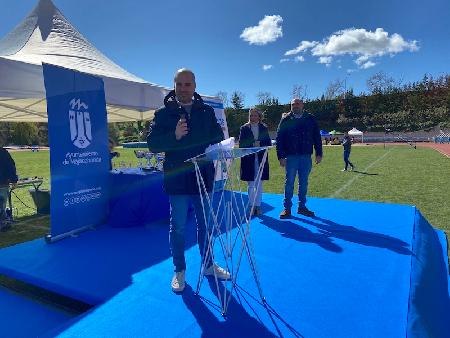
(232, 211)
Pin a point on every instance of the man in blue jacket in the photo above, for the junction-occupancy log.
(183, 129)
(297, 134)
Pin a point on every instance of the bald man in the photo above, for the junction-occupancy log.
(183, 129)
(298, 133)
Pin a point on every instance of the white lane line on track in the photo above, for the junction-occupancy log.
(354, 178)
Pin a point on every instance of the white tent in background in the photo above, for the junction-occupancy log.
(45, 36)
(356, 132)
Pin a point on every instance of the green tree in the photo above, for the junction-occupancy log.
(25, 133)
(114, 132)
(237, 99)
(5, 133)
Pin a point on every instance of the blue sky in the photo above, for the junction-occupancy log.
(228, 43)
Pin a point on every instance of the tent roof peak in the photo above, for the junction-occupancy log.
(41, 16)
(46, 36)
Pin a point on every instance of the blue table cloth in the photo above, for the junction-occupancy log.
(137, 197)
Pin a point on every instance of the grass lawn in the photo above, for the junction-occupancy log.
(397, 174)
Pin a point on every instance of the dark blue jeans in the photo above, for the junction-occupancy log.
(347, 159)
(179, 206)
(301, 165)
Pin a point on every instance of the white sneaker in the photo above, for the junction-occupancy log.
(221, 273)
(178, 281)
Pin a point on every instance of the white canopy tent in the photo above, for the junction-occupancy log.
(45, 36)
(356, 132)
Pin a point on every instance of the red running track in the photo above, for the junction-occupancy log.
(443, 148)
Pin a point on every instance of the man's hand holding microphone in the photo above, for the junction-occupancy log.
(182, 128)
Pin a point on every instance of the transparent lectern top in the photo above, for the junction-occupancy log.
(226, 154)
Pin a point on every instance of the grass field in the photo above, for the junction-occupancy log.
(397, 174)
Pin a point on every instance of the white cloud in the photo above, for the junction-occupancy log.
(364, 62)
(362, 59)
(326, 60)
(364, 43)
(268, 30)
(303, 46)
(367, 64)
(358, 42)
(284, 60)
(299, 58)
(267, 67)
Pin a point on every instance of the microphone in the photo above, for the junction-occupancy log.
(183, 114)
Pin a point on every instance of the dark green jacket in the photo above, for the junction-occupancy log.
(179, 176)
(298, 136)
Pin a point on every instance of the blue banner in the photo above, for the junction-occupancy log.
(79, 157)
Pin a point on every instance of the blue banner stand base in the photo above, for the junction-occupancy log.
(74, 233)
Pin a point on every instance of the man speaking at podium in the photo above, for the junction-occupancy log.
(183, 129)
(7, 175)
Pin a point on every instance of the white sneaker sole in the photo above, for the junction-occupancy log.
(178, 290)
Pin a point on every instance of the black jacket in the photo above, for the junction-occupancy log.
(7, 168)
(298, 136)
(179, 176)
(246, 140)
(347, 143)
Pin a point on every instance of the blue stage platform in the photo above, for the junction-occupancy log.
(21, 317)
(358, 269)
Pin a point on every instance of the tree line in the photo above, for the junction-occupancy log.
(28, 133)
(415, 106)
(388, 104)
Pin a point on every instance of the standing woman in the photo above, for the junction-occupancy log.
(254, 134)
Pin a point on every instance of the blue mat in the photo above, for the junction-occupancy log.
(92, 267)
(356, 270)
(21, 317)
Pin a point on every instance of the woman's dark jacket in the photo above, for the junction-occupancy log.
(179, 176)
(246, 140)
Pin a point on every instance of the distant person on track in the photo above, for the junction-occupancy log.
(347, 144)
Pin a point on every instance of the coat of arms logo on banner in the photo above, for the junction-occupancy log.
(80, 124)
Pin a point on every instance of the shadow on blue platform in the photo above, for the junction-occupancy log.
(239, 321)
(329, 230)
(295, 231)
(244, 314)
